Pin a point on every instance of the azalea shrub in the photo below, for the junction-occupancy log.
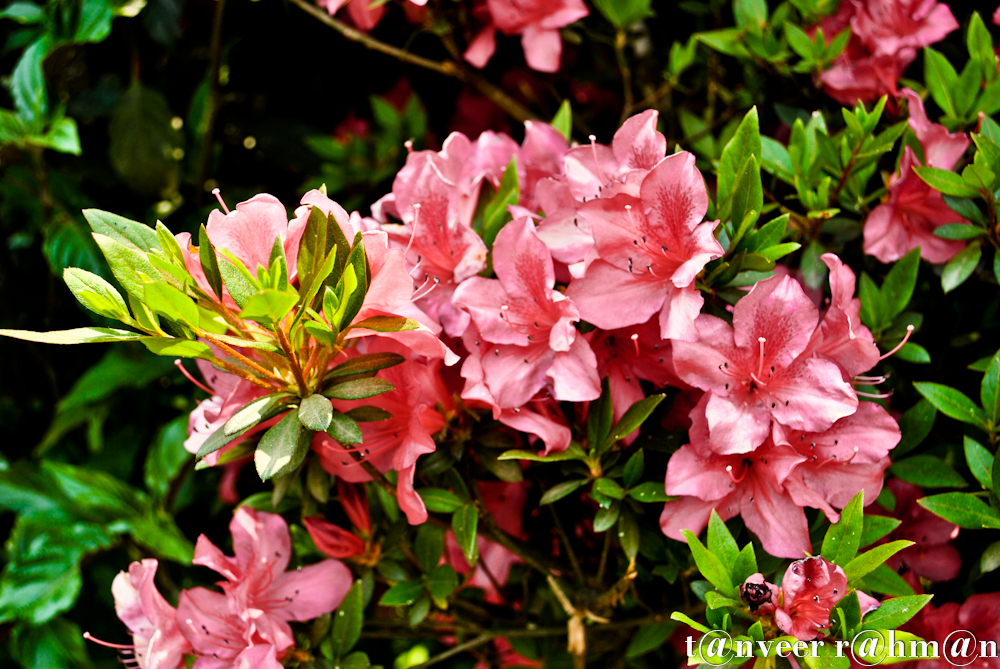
(657, 342)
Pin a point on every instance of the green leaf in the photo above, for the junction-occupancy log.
(464, 523)
(428, 546)
(123, 230)
(989, 392)
(563, 120)
(387, 324)
(74, 336)
(745, 564)
(344, 427)
(167, 457)
(980, 462)
(649, 637)
(650, 491)
(927, 471)
(632, 419)
(990, 559)
(58, 644)
(364, 364)
(916, 424)
(951, 403)
(980, 45)
(876, 527)
(496, 215)
(600, 416)
(623, 13)
(358, 389)
(633, 469)
(693, 624)
(606, 517)
(143, 142)
(737, 152)
(256, 412)
(441, 582)
(963, 510)
(238, 282)
(946, 182)
(127, 264)
(941, 79)
(25, 13)
(171, 303)
(42, 576)
(961, 267)
(282, 448)
(869, 560)
(347, 621)
(439, 500)
(316, 413)
(842, 540)
(560, 490)
(367, 414)
(959, 231)
(720, 540)
(27, 82)
(894, 612)
(402, 594)
(157, 532)
(574, 452)
(710, 565)
(609, 487)
(747, 198)
(268, 306)
(873, 306)
(96, 294)
(899, 283)
(209, 262)
(178, 348)
(885, 580)
(628, 533)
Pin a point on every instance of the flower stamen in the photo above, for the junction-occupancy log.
(909, 331)
(218, 196)
(190, 378)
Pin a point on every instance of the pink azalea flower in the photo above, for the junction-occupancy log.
(221, 630)
(538, 23)
(977, 615)
(156, 638)
(257, 578)
(942, 149)
(849, 457)
(809, 591)
(229, 393)
(505, 501)
(857, 75)
(840, 337)
(397, 442)
(361, 12)
(749, 485)
(630, 355)
(889, 26)
(332, 539)
(909, 217)
(934, 556)
(650, 247)
(528, 325)
(754, 372)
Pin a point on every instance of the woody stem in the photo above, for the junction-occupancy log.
(239, 356)
(293, 360)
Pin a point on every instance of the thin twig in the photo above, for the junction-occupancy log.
(570, 553)
(239, 356)
(293, 361)
(460, 648)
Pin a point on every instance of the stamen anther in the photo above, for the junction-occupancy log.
(909, 331)
(190, 378)
(218, 196)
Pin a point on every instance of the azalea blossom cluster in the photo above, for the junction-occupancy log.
(885, 38)
(243, 627)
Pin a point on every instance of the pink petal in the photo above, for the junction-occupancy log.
(482, 47)
(409, 501)
(736, 424)
(778, 310)
(309, 592)
(809, 395)
(363, 16)
(637, 144)
(547, 426)
(257, 657)
(611, 298)
(542, 48)
(689, 472)
(574, 374)
(680, 309)
(261, 542)
(691, 513)
(249, 230)
(778, 522)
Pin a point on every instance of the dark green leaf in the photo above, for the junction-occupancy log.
(628, 533)
(347, 622)
(464, 523)
(885, 580)
(209, 262)
(344, 428)
(951, 403)
(358, 389)
(256, 412)
(27, 82)
(941, 79)
(166, 457)
(560, 490)
(58, 644)
(316, 413)
(916, 424)
(387, 324)
(609, 487)
(428, 546)
(650, 491)
(632, 419)
(368, 414)
(927, 471)
(402, 594)
(282, 448)
(959, 231)
(989, 391)
(633, 469)
(441, 582)
(123, 230)
(624, 13)
(238, 282)
(649, 637)
(496, 215)
(961, 266)
(899, 283)
(605, 518)
(963, 510)
(600, 415)
(364, 364)
(143, 146)
(438, 500)
(876, 527)
(980, 462)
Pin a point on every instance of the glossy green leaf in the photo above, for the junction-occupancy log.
(842, 540)
(869, 560)
(96, 294)
(343, 427)
(282, 448)
(710, 565)
(428, 546)
(347, 621)
(560, 490)
(209, 262)
(633, 417)
(927, 471)
(650, 491)
(989, 391)
(633, 469)
(358, 389)
(951, 402)
(961, 266)
(316, 413)
(963, 510)
(894, 612)
(402, 594)
(464, 523)
(876, 527)
(980, 462)
(439, 500)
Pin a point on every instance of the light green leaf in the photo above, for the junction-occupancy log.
(268, 306)
(316, 413)
(842, 540)
(74, 336)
